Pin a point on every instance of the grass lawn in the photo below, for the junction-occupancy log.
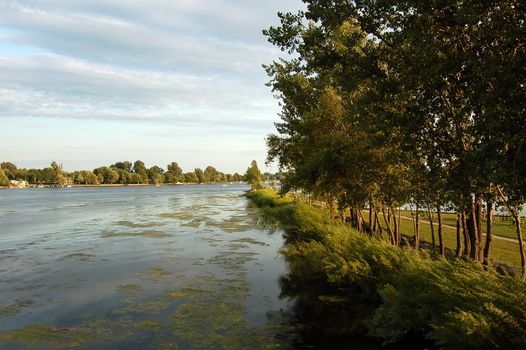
(503, 251)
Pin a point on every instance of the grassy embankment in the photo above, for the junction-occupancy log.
(455, 304)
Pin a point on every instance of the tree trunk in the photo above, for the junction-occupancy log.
(396, 228)
(478, 218)
(330, 203)
(517, 218)
(521, 243)
(440, 236)
(459, 241)
(377, 225)
(361, 220)
(412, 217)
(375, 221)
(371, 217)
(389, 215)
(489, 228)
(467, 244)
(355, 221)
(432, 230)
(417, 233)
(472, 230)
(387, 223)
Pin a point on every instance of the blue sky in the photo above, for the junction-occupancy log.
(92, 82)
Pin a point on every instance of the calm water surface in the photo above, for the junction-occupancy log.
(171, 267)
(138, 267)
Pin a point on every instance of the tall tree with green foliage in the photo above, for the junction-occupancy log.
(4, 180)
(9, 169)
(59, 176)
(199, 175)
(253, 176)
(174, 173)
(210, 174)
(386, 102)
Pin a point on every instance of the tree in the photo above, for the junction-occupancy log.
(155, 175)
(253, 176)
(9, 169)
(210, 174)
(389, 102)
(126, 166)
(4, 180)
(190, 177)
(125, 177)
(58, 175)
(199, 175)
(140, 169)
(106, 175)
(174, 173)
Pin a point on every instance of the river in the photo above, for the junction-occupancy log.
(144, 268)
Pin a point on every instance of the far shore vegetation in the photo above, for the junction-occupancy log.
(120, 174)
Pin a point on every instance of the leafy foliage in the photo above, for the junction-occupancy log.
(386, 103)
(253, 176)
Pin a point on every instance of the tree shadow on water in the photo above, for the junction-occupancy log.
(328, 318)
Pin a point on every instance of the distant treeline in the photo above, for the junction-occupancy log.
(119, 173)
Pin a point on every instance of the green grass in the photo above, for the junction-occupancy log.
(502, 251)
(503, 226)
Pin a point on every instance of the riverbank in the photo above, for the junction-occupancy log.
(412, 296)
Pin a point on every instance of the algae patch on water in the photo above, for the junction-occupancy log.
(78, 256)
(54, 336)
(154, 273)
(250, 241)
(233, 224)
(138, 225)
(129, 288)
(188, 293)
(15, 308)
(146, 233)
(233, 261)
(215, 319)
(148, 324)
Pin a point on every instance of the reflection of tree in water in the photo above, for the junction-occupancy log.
(328, 318)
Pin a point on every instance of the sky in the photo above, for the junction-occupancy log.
(92, 82)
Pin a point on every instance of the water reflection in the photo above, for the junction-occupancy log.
(326, 318)
(331, 318)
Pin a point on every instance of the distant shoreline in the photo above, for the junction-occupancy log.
(120, 185)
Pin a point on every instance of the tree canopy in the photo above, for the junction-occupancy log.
(253, 176)
(386, 103)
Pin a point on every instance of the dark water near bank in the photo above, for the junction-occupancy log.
(151, 268)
